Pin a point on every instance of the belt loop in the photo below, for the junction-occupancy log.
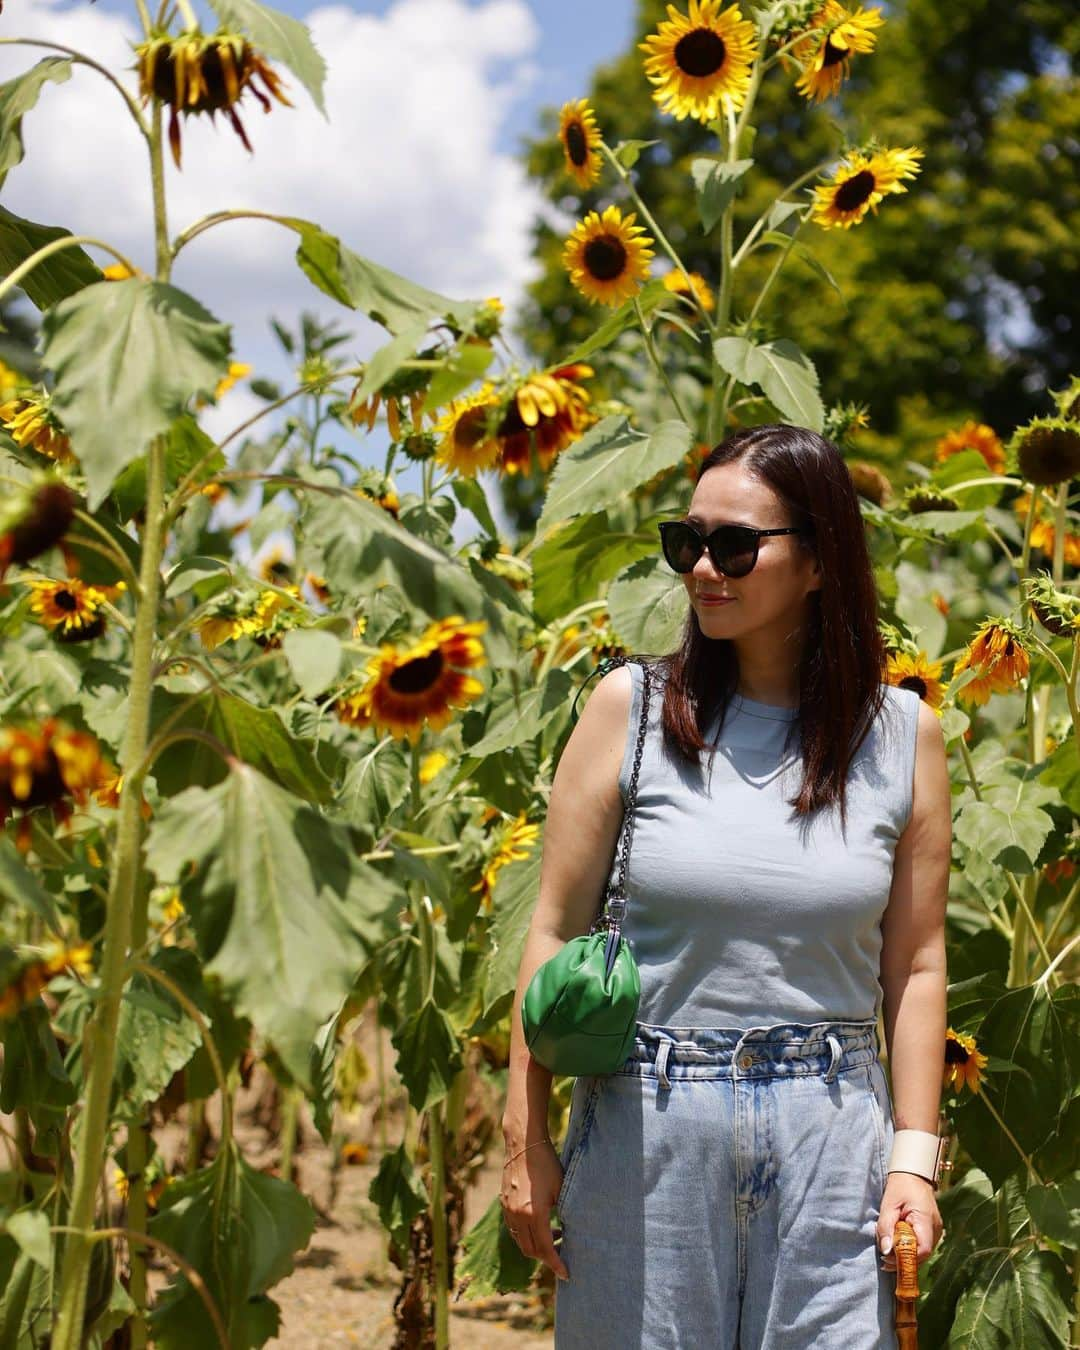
(834, 1062)
(661, 1064)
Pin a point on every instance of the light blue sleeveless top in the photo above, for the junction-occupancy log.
(741, 914)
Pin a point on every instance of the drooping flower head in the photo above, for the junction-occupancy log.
(580, 137)
(548, 409)
(964, 1062)
(1046, 451)
(607, 256)
(30, 421)
(47, 765)
(701, 63)
(998, 653)
(860, 183)
(825, 53)
(974, 436)
(33, 519)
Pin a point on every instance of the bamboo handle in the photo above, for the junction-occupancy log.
(906, 1246)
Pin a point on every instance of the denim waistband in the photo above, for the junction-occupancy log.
(781, 1050)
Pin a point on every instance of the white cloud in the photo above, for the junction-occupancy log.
(407, 171)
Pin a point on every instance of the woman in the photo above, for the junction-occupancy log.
(732, 1183)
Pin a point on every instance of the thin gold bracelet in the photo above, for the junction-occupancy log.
(522, 1150)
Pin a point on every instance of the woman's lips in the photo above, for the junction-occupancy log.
(715, 600)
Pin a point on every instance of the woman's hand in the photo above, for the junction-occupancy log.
(909, 1197)
(530, 1186)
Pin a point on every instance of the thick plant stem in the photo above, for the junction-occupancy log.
(100, 1036)
(290, 1117)
(437, 1150)
(138, 1151)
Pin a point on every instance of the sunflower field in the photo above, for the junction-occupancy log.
(248, 808)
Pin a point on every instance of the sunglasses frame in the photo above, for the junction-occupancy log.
(711, 542)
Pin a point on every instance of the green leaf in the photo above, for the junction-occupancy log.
(385, 296)
(1056, 1211)
(1015, 1298)
(472, 497)
(384, 364)
(154, 1036)
(648, 603)
(399, 1193)
(126, 355)
(314, 657)
(512, 902)
(429, 1055)
(17, 97)
(578, 558)
(518, 713)
(1008, 826)
(189, 571)
(628, 152)
(491, 1261)
(611, 457)
(240, 1229)
(20, 886)
(465, 365)
(781, 371)
(187, 446)
(284, 910)
(60, 275)
(280, 37)
(652, 296)
(34, 1075)
(717, 183)
(800, 250)
(30, 1229)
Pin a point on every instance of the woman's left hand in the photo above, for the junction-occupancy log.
(909, 1197)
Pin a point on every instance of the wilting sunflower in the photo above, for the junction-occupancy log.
(870, 482)
(1057, 611)
(29, 421)
(998, 653)
(701, 62)
(608, 256)
(262, 616)
(974, 436)
(1046, 451)
(580, 138)
(859, 183)
(826, 51)
(918, 673)
(920, 497)
(73, 610)
(201, 73)
(964, 1062)
(516, 841)
(33, 519)
(677, 282)
(407, 687)
(466, 431)
(27, 981)
(549, 409)
(47, 764)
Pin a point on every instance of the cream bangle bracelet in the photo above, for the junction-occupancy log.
(918, 1151)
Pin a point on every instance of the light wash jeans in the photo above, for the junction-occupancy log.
(721, 1190)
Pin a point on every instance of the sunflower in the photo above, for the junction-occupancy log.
(30, 421)
(407, 687)
(690, 285)
(32, 977)
(548, 409)
(998, 654)
(1043, 536)
(974, 436)
(860, 182)
(384, 495)
(581, 139)
(33, 519)
(47, 764)
(263, 616)
(319, 587)
(1046, 451)
(964, 1062)
(432, 765)
(701, 62)
(276, 566)
(826, 51)
(918, 673)
(516, 841)
(71, 609)
(608, 256)
(197, 73)
(1057, 611)
(466, 430)
(920, 497)
(870, 482)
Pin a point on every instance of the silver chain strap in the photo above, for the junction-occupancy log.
(615, 899)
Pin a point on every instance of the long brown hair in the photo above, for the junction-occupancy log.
(844, 656)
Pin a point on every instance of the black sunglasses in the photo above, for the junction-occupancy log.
(732, 548)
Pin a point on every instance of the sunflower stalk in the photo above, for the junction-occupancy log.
(13, 278)
(81, 59)
(658, 365)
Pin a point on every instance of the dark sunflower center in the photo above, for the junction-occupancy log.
(605, 257)
(914, 682)
(833, 55)
(471, 428)
(512, 424)
(700, 53)
(65, 600)
(418, 676)
(955, 1052)
(576, 145)
(855, 191)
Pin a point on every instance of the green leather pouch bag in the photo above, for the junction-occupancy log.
(580, 1008)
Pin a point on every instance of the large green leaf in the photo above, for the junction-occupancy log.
(518, 713)
(155, 1037)
(429, 1055)
(17, 97)
(280, 37)
(127, 355)
(187, 446)
(781, 371)
(240, 1229)
(491, 1261)
(717, 183)
(652, 296)
(1014, 1298)
(399, 1193)
(60, 275)
(1008, 826)
(284, 910)
(611, 457)
(34, 1075)
(1056, 1211)
(578, 558)
(513, 900)
(648, 605)
(20, 886)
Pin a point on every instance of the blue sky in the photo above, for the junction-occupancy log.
(415, 168)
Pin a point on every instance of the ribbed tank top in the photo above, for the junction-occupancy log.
(740, 914)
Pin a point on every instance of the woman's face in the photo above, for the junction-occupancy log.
(774, 592)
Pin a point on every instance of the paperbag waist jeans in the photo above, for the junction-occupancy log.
(721, 1191)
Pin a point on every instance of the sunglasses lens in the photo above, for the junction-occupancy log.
(682, 548)
(734, 550)
(738, 552)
